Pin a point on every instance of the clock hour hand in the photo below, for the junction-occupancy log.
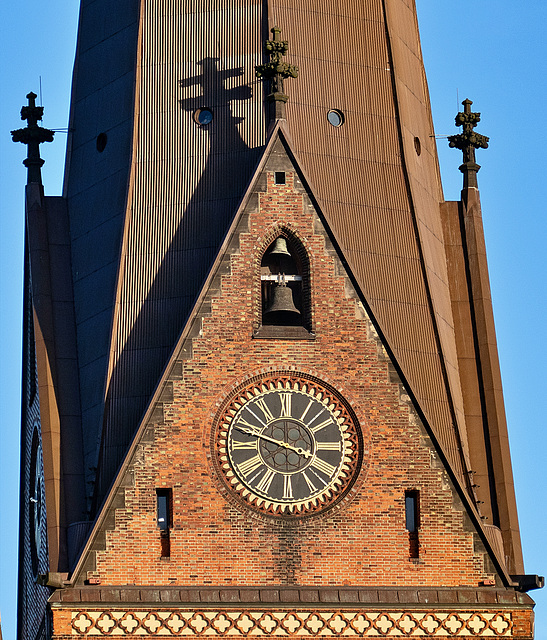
(280, 443)
(298, 450)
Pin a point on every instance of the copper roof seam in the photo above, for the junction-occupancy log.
(438, 339)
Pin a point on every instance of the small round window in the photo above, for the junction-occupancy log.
(335, 117)
(203, 116)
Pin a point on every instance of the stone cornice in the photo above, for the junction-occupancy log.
(214, 596)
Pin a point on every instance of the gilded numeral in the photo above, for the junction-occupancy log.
(237, 444)
(265, 409)
(287, 488)
(323, 466)
(247, 424)
(310, 484)
(248, 466)
(329, 446)
(266, 481)
(285, 405)
(256, 416)
(321, 425)
(306, 411)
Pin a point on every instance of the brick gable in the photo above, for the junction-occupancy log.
(215, 538)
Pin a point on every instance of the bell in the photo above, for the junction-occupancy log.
(280, 248)
(282, 302)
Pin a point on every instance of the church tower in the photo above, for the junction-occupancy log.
(262, 394)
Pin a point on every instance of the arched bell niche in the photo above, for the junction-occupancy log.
(285, 289)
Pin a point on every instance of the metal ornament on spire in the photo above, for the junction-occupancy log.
(276, 70)
(32, 135)
(468, 141)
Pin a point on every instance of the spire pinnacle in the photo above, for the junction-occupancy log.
(468, 141)
(32, 135)
(276, 70)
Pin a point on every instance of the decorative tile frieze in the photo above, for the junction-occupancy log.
(233, 623)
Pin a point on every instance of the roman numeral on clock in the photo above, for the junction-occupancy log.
(261, 403)
(306, 411)
(248, 466)
(329, 446)
(239, 445)
(266, 481)
(321, 425)
(247, 424)
(310, 484)
(323, 466)
(287, 487)
(285, 399)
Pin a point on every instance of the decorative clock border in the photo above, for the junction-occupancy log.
(294, 622)
(287, 379)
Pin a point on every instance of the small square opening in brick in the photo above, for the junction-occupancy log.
(280, 177)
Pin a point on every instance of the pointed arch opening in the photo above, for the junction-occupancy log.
(285, 293)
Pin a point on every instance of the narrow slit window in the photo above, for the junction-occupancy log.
(164, 508)
(412, 521)
(164, 501)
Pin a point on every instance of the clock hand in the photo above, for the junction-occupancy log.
(252, 432)
(298, 450)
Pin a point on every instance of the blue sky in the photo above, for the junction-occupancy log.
(491, 51)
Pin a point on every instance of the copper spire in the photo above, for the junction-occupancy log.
(32, 135)
(276, 70)
(468, 141)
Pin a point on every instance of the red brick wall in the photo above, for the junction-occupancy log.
(217, 541)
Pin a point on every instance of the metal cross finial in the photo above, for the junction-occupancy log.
(32, 135)
(467, 142)
(276, 70)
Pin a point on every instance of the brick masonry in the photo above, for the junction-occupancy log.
(218, 540)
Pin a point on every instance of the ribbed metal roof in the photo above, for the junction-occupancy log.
(383, 209)
(187, 181)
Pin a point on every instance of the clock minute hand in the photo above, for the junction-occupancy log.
(252, 432)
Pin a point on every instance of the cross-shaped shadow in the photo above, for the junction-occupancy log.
(212, 82)
(226, 173)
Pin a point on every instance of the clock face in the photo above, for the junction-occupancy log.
(288, 445)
